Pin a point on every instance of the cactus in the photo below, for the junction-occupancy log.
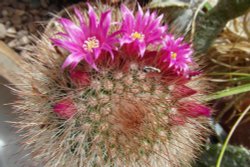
(118, 91)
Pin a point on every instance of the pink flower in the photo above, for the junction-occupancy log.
(182, 91)
(86, 41)
(194, 109)
(140, 30)
(80, 78)
(177, 55)
(65, 108)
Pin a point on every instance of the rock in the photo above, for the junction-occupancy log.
(10, 11)
(37, 18)
(13, 43)
(11, 30)
(53, 7)
(32, 28)
(24, 18)
(19, 12)
(24, 40)
(26, 1)
(4, 19)
(4, 13)
(31, 18)
(23, 53)
(44, 3)
(22, 33)
(7, 24)
(34, 4)
(16, 20)
(21, 6)
(2, 31)
(34, 11)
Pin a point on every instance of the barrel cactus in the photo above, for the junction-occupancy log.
(112, 87)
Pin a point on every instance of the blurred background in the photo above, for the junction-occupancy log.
(220, 32)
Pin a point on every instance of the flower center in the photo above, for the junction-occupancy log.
(91, 43)
(173, 55)
(137, 35)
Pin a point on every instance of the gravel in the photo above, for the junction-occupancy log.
(21, 20)
(2, 31)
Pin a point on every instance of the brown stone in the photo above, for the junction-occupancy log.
(44, 3)
(4, 13)
(2, 31)
(22, 33)
(13, 43)
(24, 40)
(11, 30)
(16, 20)
(32, 27)
(34, 12)
(19, 12)
(24, 18)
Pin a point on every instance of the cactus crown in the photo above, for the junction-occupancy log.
(126, 95)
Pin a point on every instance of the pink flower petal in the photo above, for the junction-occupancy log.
(79, 15)
(142, 48)
(65, 108)
(182, 91)
(92, 18)
(90, 60)
(66, 45)
(72, 29)
(80, 78)
(193, 109)
(73, 59)
(105, 21)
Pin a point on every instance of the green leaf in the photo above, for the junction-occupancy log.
(167, 3)
(235, 156)
(224, 147)
(229, 92)
(230, 74)
(208, 6)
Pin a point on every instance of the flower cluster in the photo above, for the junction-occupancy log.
(86, 41)
(134, 36)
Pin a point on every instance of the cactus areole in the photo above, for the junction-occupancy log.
(112, 87)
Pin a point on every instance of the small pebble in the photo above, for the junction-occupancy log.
(44, 3)
(4, 13)
(11, 30)
(13, 43)
(19, 12)
(8, 24)
(32, 28)
(2, 31)
(24, 40)
(22, 33)
(16, 20)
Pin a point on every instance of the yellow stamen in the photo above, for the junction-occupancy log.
(137, 35)
(90, 44)
(173, 55)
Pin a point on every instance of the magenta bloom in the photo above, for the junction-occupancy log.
(194, 109)
(86, 41)
(80, 78)
(177, 54)
(141, 30)
(65, 108)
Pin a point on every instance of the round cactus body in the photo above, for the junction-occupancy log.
(112, 88)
